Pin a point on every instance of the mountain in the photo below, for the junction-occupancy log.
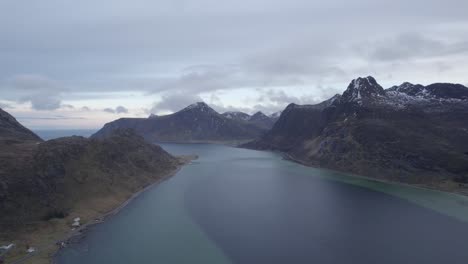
(235, 115)
(10, 129)
(54, 176)
(195, 123)
(262, 120)
(44, 185)
(408, 133)
(275, 116)
(258, 119)
(433, 91)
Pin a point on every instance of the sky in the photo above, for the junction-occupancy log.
(79, 64)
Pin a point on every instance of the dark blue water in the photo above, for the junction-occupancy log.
(241, 206)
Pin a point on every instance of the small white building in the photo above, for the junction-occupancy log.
(76, 222)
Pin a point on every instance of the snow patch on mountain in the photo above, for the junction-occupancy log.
(201, 107)
(236, 115)
(362, 88)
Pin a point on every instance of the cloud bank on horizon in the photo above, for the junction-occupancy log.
(89, 62)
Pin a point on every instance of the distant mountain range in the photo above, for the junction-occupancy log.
(195, 123)
(407, 133)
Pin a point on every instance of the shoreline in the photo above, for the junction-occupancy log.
(80, 232)
(48, 253)
(289, 157)
(230, 143)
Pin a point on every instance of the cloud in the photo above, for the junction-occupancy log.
(42, 92)
(118, 110)
(68, 106)
(410, 45)
(266, 108)
(229, 108)
(57, 117)
(201, 78)
(43, 101)
(5, 105)
(96, 56)
(173, 102)
(279, 97)
(34, 82)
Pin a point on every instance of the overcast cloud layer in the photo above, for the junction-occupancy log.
(77, 64)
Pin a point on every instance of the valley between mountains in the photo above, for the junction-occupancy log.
(409, 133)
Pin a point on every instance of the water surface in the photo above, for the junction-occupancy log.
(242, 206)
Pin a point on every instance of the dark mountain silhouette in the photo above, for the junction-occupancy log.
(262, 120)
(236, 115)
(195, 123)
(10, 129)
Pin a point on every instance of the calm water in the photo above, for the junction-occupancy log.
(242, 206)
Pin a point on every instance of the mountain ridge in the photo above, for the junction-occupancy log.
(197, 122)
(399, 134)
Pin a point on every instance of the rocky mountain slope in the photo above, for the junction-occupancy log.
(195, 123)
(262, 120)
(258, 119)
(55, 176)
(408, 133)
(45, 184)
(10, 129)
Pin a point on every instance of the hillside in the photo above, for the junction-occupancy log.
(44, 185)
(195, 123)
(262, 120)
(10, 129)
(408, 133)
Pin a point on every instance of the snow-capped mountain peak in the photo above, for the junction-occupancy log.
(436, 91)
(362, 88)
(199, 107)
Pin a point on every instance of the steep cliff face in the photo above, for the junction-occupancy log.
(408, 133)
(296, 124)
(197, 122)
